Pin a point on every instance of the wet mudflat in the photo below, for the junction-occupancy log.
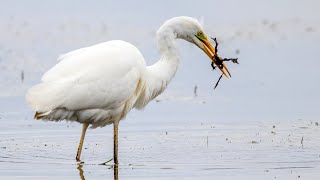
(198, 149)
(263, 124)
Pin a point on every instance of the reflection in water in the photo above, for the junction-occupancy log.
(81, 171)
(115, 171)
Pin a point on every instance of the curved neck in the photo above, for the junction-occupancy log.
(161, 73)
(167, 66)
(158, 75)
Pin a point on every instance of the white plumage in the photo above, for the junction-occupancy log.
(99, 85)
(90, 85)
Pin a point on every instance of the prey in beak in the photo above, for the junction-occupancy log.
(203, 42)
(219, 62)
(207, 47)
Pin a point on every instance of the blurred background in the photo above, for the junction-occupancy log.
(276, 84)
(277, 43)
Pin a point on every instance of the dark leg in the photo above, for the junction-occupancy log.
(213, 66)
(84, 129)
(218, 81)
(234, 60)
(216, 51)
(216, 47)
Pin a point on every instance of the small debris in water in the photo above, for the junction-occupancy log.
(265, 22)
(207, 141)
(309, 29)
(273, 126)
(22, 76)
(195, 91)
(316, 123)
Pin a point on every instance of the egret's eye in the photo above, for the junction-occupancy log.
(201, 35)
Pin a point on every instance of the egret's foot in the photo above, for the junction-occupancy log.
(106, 163)
(80, 163)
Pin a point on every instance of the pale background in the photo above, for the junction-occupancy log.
(277, 80)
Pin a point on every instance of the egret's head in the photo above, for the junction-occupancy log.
(191, 30)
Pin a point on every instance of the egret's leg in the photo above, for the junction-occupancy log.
(84, 129)
(115, 142)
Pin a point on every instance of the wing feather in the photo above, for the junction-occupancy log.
(101, 76)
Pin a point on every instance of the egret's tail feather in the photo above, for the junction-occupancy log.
(45, 97)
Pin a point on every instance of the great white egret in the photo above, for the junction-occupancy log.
(100, 84)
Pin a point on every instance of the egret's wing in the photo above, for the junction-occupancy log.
(71, 53)
(102, 76)
(111, 53)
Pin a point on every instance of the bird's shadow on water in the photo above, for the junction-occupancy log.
(114, 167)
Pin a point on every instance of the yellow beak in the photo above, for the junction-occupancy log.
(210, 51)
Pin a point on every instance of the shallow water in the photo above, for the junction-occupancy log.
(191, 149)
(248, 128)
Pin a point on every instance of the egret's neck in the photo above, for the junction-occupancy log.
(166, 38)
(167, 45)
(158, 75)
(166, 67)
